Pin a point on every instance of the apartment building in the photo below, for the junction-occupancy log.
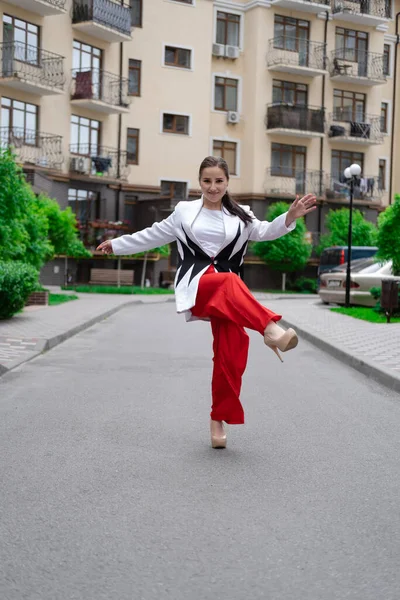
(111, 107)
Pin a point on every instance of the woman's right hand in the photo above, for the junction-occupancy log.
(105, 247)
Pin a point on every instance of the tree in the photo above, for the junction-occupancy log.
(288, 253)
(364, 233)
(389, 235)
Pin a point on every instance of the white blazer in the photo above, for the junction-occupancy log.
(193, 261)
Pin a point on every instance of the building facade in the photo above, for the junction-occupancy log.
(111, 108)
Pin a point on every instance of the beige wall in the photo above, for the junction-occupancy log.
(190, 92)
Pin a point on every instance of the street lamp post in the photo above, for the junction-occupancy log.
(351, 173)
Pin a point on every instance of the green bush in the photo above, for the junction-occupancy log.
(17, 281)
(304, 285)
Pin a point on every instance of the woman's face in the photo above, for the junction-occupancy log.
(213, 184)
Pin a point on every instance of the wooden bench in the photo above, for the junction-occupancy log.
(110, 277)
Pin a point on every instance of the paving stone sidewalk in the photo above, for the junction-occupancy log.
(371, 348)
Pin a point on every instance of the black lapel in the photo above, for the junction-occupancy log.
(193, 256)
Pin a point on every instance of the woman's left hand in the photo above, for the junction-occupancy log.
(301, 207)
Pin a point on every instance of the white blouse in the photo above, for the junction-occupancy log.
(209, 230)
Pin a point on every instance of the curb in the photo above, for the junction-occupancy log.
(365, 367)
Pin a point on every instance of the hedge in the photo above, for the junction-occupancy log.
(17, 281)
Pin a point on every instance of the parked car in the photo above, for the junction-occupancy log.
(337, 255)
(366, 273)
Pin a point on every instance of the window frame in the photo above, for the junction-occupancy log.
(342, 95)
(289, 84)
(295, 151)
(38, 34)
(132, 136)
(175, 115)
(238, 93)
(140, 4)
(352, 159)
(346, 34)
(386, 117)
(139, 70)
(384, 178)
(286, 21)
(218, 140)
(11, 109)
(91, 129)
(176, 47)
(237, 20)
(387, 59)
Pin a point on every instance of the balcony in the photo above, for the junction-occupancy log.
(30, 69)
(367, 189)
(363, 130)
(32, 147)
(44, 8)
(287, 182)
(98, 162)
(299, 121)
(362, 12)
(102, 19)
(362, 68)
(303, 58)
(99, 91)
(310, 6)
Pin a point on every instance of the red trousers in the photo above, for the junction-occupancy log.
(228, 303)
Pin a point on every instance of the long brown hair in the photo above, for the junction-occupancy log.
(227, 202)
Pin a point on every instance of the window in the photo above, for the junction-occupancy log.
(382, 174)
(177, 57)
(176, 190)
(228, 29)
(386, 59)
(349, 106)
(85, 57)
(21, 121)
(86, 62)
(133, 146)
(227, 151)
(384, 117)
(136, 13)
(341, 160)
(291, 34)
(288, 161)
(22, 38)
(352, 45)
(226, 93)
(135, 68)
(84, 204)
(289, 92)
(85, 136)
(175, 124)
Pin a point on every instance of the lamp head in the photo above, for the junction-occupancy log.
(355, 170)
(347, 173)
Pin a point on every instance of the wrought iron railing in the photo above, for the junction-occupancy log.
(351, 62)
(366, 188)
(296, 52)
(57, 3)
(104, 12)
(33, 147)
(94, 84)
(101, 161)
(31, 64)
(344, 123)
(322, 2)
(374, 8)
(288, 181)
(291, 116)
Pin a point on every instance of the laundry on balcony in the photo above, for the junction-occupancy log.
(83, 85)
(101, 163)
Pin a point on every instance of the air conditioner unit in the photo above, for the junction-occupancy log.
(233, 116)
(218, 50)
(231, 51)
(81, 164)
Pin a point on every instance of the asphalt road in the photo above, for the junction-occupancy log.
(110, 489)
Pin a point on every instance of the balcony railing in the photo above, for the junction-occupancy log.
(372, 8)
(41, 7)
(343, 124)
(98, 161)
(296, 53)
(291, 116)
(31, 65)
(288, 181)
(98, 85)
(105, 12)
(352, 64)
(367, 188)
(32, 147)
(306, 5)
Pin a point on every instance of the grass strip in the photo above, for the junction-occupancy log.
(364, 313)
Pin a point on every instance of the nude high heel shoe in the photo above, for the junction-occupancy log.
(218, 435)
(277, 338)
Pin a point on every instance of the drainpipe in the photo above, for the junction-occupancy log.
(321, 149)
(118, 191)
(394, 108)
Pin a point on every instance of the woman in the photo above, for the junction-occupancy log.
(212, 234)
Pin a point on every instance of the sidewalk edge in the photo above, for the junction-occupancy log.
(363, 366)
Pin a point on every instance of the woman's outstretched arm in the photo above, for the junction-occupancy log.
(141, 241)
(261, 231)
